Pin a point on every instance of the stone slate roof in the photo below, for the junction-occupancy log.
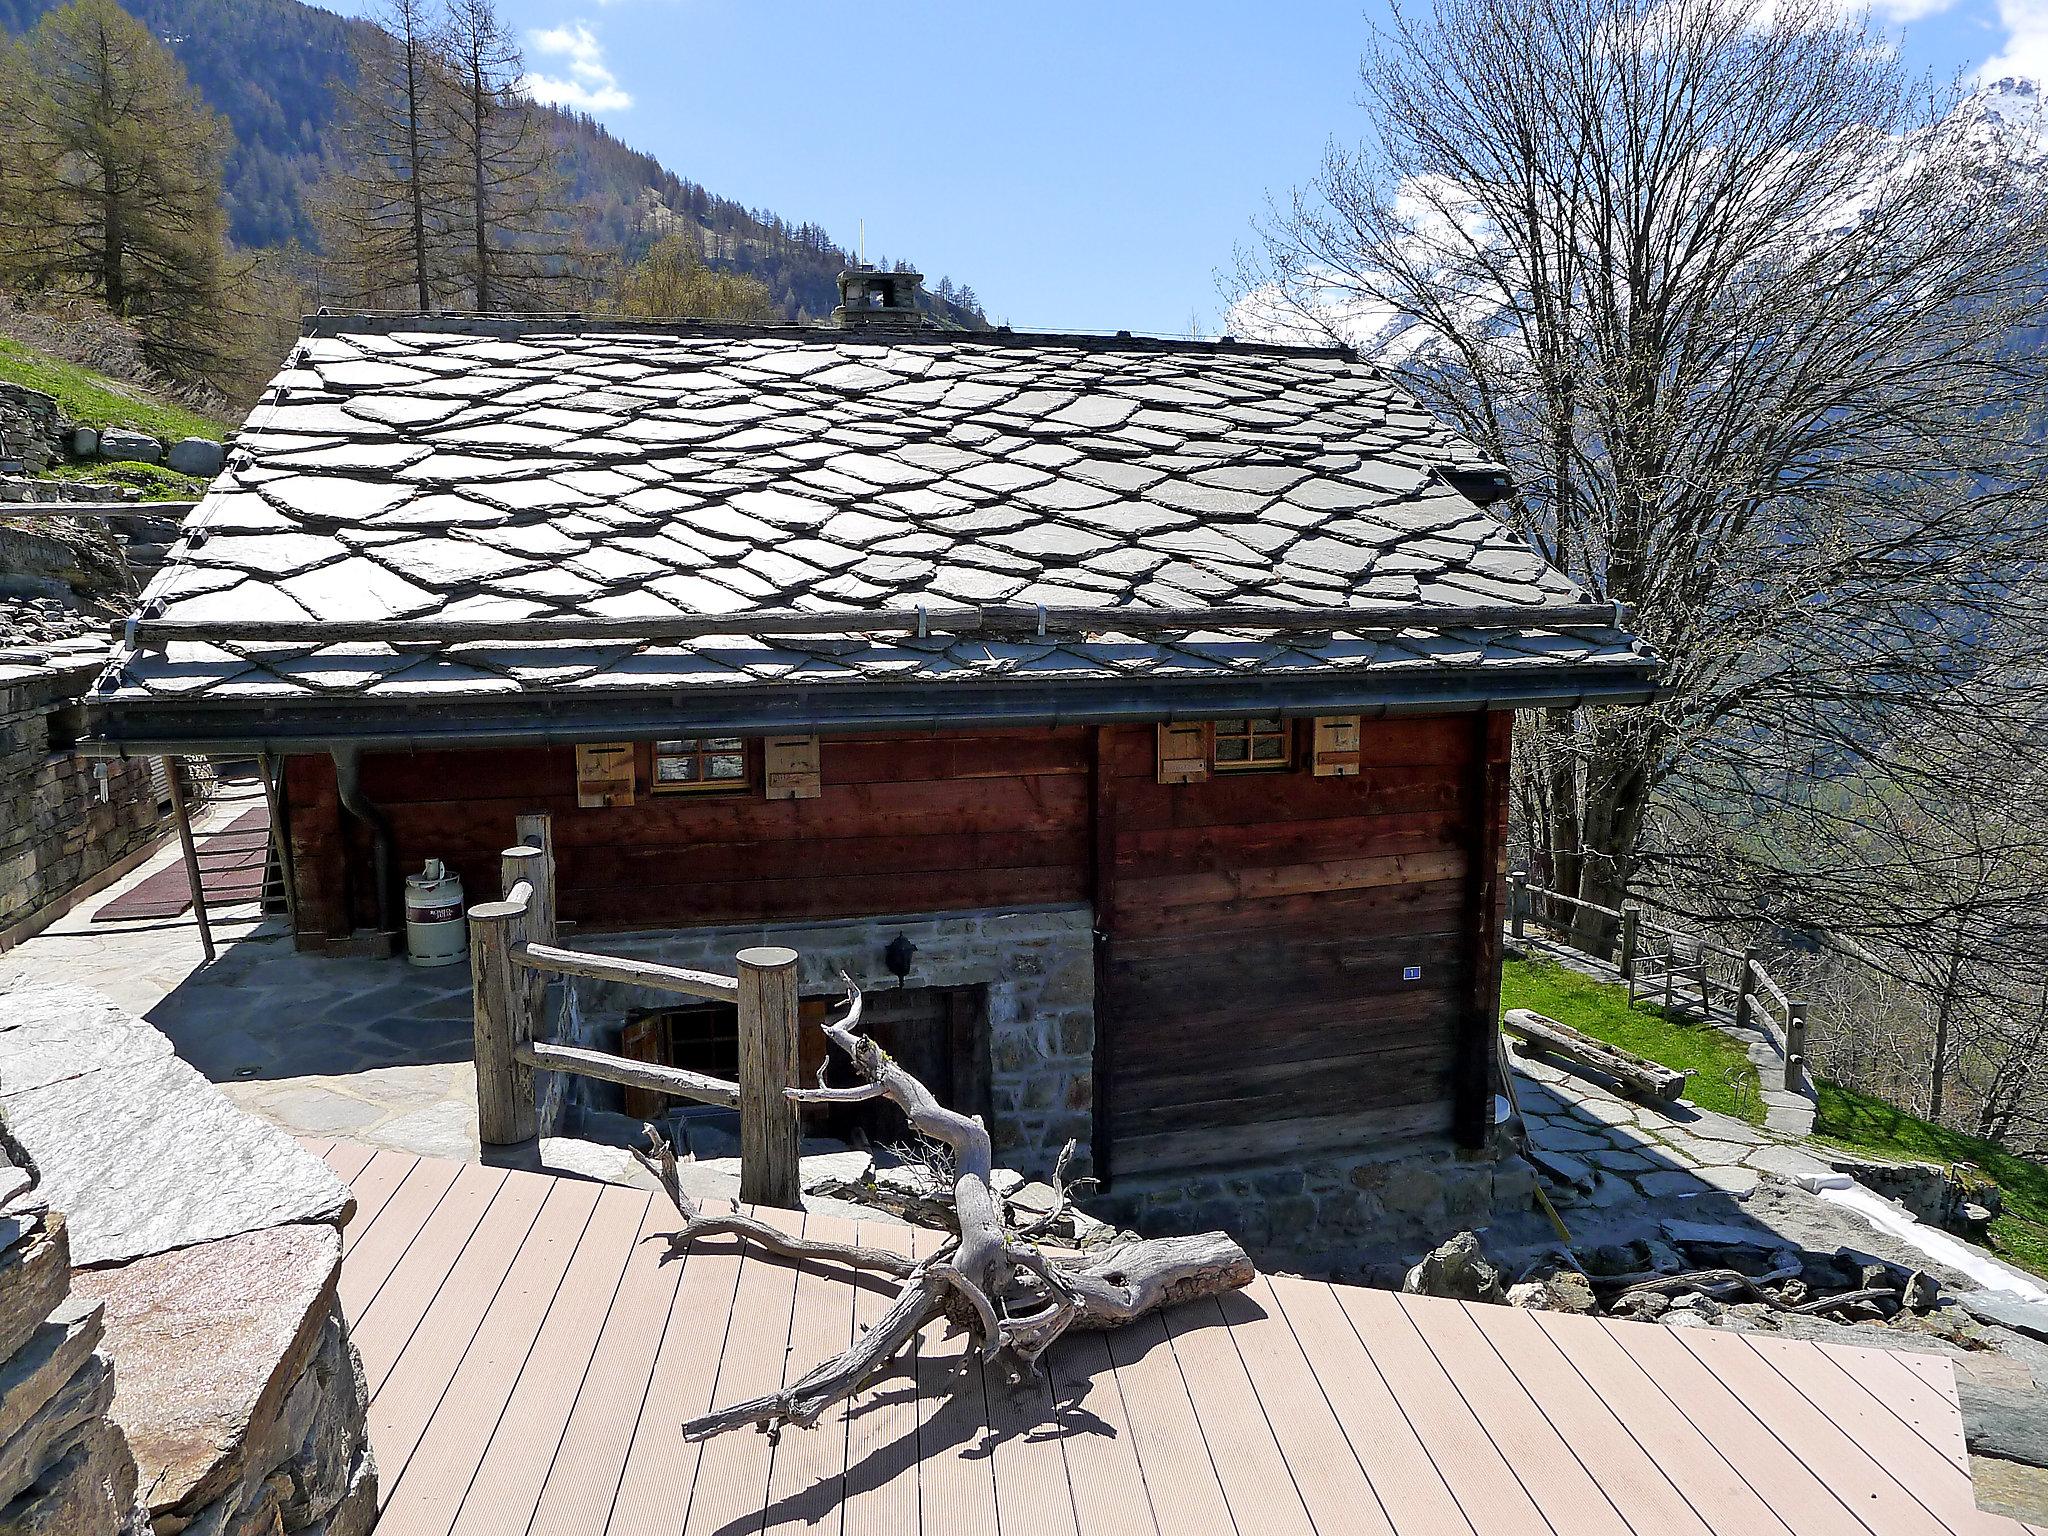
(494, 472)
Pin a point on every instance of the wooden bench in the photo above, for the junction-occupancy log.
(1640, 1079)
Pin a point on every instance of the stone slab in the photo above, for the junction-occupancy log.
(2001, 1422)
(1721, 1234)
(2028, 1317)
(51, 1430)
(34, 1277)
(51, 1034)
(88, 1492)
(144, 1156)
(38, 1370)
(207, 1342)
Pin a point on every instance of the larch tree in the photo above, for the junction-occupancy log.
(110, 182)
(385, 214)
(1751, 317)
(672, 280)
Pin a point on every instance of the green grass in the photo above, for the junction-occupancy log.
(1724, 1078)
(1860, 1123)
(154, 481)
(99, 401)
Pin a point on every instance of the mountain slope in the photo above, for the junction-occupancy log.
(269, 67)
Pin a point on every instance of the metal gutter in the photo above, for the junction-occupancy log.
(553, 719)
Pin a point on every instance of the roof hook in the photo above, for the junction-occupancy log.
(920, 621)
(1041, 621)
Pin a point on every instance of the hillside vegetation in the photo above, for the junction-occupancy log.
(100, 401)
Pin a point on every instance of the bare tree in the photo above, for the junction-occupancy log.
(1747, 313)
(1014, 1298)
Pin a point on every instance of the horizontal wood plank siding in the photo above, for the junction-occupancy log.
(1258, 932)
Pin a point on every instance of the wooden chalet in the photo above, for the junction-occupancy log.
(951, 656)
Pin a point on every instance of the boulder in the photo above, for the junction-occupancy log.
(1458, 1270)
(52, 1429)
(35, 1273)
(84, 442)
(41, 1367)
(208, 1343)
(89, 1492)
(200, 456)
(129, 446)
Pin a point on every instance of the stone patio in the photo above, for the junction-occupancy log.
(374, 1050)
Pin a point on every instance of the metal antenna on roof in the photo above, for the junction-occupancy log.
(861, 245)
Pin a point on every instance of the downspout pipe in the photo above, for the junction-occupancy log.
(348, 766)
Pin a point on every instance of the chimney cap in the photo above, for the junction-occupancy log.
(870, 296)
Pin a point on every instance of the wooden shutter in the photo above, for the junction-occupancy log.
(604, 774)
(1183, 753)
(792, 771)
(1336, 754)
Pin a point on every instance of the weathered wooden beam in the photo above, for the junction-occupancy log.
(1643, 1079)
(768, 1054)
(632, 973)
(195, 881)
(606, 1068)
(536, 829)
(504, 1084)
(1474, 1050)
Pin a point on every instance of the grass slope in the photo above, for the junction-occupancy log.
(1860, 1123)
(1724, 1078)
(99, 401)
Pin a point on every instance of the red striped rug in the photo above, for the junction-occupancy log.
(230, 870)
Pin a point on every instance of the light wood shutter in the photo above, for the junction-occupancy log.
(1336, 753)
(604, 774)
(791, 767)
(1183, 753)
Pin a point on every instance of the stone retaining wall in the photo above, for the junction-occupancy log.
(1365, 1214)
(63, 817)
(32, 430)
(205, 1249)
(1037, 965)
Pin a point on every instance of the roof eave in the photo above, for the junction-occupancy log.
(118, 728)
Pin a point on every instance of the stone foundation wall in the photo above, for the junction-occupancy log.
(1037, 964)
(32, 430)
(1364, 1215)
(63, 817)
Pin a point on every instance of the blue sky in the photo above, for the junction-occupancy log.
(1081, 165)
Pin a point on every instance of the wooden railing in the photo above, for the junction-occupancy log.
(1678, 968)
(512, 956)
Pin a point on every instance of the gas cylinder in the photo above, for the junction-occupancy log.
(436, 932)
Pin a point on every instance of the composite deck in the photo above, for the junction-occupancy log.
(529, 1358)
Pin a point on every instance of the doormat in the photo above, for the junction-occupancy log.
(231, 864)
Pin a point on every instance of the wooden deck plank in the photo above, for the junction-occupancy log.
(1480, 1479)
(425, 1255)
(1030, 1468)
(1567, 1494)
(1772, 1469)
(807, 1473)
(424, 1497)
(1707, 1480)
(381, 1176)
(412, 1388)
(1866, 1487)
(581, 1482)
(502, 1496)
(881, 1424)
(1931, 1478)
(1110, 1497)
(731, 1470)
(1926, 1404)
(1254, 1475)
(956, 1488)
(1327, 1476)
(345, 1159)
(367, 1262)
(1187, 1497)
(1400, 1468)
(1632, 1479)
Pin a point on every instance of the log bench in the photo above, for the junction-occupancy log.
(1640, 1079)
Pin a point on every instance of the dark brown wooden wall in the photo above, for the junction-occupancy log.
(1258, 929)
(1256, 925)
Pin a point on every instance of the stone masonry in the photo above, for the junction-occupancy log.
(63, 817)
(1036, 963)
(32, 430)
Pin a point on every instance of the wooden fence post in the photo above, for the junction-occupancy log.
(1630, 915)
(504, 1020)
(1745, 984)
(768, 1055)
(1795, 1047)
(533, 864)
(536, 829)
(1518, 900)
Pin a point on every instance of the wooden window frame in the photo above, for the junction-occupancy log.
(745, 783)
(1287, 734)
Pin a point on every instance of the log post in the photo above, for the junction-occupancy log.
(768, 1055)
(1518, 900)
(1795, 1047)
(1631, 914)
(504, 1084)
(174, 769)
(530, 864)
(1745, 984)
(536, 829)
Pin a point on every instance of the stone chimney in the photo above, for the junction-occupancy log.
(872, 298)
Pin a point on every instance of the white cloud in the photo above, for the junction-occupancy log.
(2026, 41)
(589, 86)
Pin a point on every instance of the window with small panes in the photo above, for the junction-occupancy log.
(700, 763)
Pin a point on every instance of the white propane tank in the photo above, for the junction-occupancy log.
(436, 932)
